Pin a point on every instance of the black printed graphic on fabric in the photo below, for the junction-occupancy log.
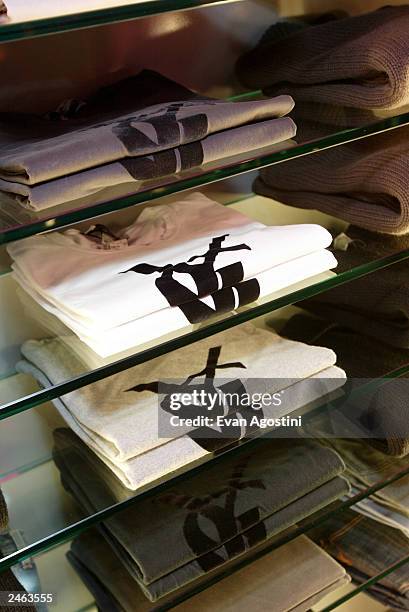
(204, 275)
(235, 532)
(166, 130)
(164, 163)
(228, 434)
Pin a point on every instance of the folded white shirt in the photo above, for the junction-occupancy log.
(124, 422)
(172, 254)
(121, 425)
(168, 320)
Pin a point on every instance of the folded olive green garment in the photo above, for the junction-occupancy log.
(294, 577)
(376, 304)
(212, 517)
(96, 144)
(364, 358)
(358, 62)
(363, 182)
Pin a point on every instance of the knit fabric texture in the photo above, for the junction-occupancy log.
(364, 183)
(364, 357)
(358, 62)
(376, 305)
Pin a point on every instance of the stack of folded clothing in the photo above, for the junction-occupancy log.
(385, 415)
(210, 518)
(376, 305)
(119, 417)
(355, 62)
(144, 128)
(367, 548)
(363, 182)
(176, 264)
(341, 73)
(366, 467)
(294, 577)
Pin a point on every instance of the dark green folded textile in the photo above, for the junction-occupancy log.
(211, 518)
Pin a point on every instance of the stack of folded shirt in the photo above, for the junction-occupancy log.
(119, 417)
(176, 264)
(376, 305)
(384, 415)
(159, 128)
(213, 517)
(294, 577)
(363, 182)
(366, 549)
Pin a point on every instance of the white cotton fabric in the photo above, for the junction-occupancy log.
(82, 278)
(179, 453)
(121, 426)
(152, 326)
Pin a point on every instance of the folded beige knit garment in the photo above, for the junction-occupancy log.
(358, 62)
(364, 183)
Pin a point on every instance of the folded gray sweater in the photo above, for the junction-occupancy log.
(358, 62)
(363, 182)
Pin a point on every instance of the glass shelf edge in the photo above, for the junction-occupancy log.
(370, 385)
(363, 587)
(35, 28)
(67, 534)
(228, 171)
(44, 395)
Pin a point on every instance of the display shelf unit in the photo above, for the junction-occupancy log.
(58, 519)
(30, 24)
(186, 336)
(17, 223)
(39, 506)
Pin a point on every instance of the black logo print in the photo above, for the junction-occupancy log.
(210, 439)
(234, 293)
(236, 531)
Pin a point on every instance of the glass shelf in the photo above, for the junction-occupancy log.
(19, 399)
(58, 518)
(17, 223)
(72, 592)
(388, 571)
(31, 21)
